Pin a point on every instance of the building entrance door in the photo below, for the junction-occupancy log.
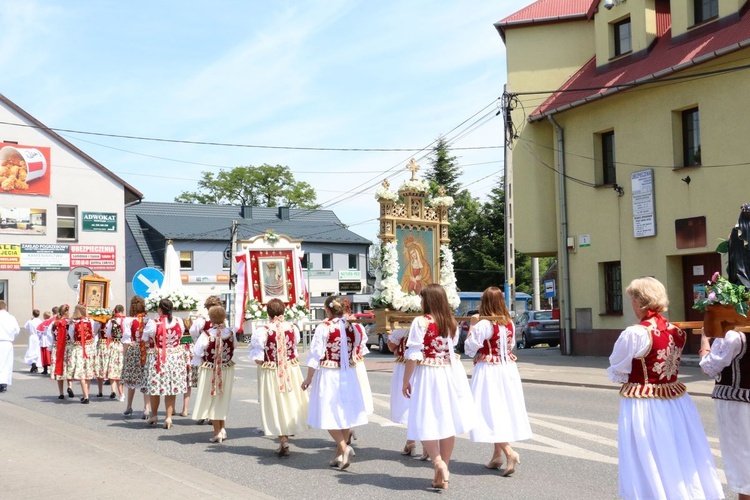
(696, 271)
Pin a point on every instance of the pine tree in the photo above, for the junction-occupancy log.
(444, 170)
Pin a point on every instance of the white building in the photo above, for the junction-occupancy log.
(62, 214)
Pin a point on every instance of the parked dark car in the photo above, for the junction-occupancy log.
(464, 330)
(537, 327)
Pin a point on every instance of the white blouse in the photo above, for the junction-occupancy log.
(396, 335)
(634, 342)
(258, 342)
(415, 342)
(723, 351)
(95, 327)
(197, 327)
(108, 329)
(200, 345)
(480, 333)
(149, 332)
(127, 329)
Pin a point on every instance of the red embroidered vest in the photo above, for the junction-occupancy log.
(655, 374)
(436, 350)
(270, 349)
(61, 331)
(401, 349)
(733, 383)
(491, 350)
(169, 337)
(332, 357)
(82, 332)
(210, 355)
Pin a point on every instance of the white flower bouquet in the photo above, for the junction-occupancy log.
(417, 185)
(181, 300)
(383, 193)
(448, 276)
(442, 201)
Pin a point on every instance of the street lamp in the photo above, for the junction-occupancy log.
(32, 278)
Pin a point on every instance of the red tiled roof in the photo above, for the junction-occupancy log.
(665, 57)
(548, 10)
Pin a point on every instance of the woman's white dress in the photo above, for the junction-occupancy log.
(216, 406)
(336, 400)
(662, 447)
(733, 417)
(399, 403)
(441, 405)
(364, 381)
(282, 413)
(496, 385)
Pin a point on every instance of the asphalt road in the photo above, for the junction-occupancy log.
(573, 454)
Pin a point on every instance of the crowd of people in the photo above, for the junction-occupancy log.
(662, 447)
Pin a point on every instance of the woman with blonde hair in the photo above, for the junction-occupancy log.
(135, 354)
(496, 383)
(83, 354)
(165, 372)
(212, 359)
(441, 405)
(283, 403)
(662, 448)
(336, 400)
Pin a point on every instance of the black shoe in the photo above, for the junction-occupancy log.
(100, 395)
(84, 401)
(112, 396)
(3, 387)
(61, 396)
(106, 382)
(34, 368)
(45, 372)
(70, 393)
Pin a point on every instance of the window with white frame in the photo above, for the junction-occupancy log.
(623, 37)
(327, 261)
(67, 222)
(186, 260)
(353, 261)
(703, 10)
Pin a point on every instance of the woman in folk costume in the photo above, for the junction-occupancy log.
(61, 346)
(336, 401)
(360, 351)
(283, 403)
(728, 361)
(213, 353)
(399, 403)
(135, 354)
(82, 356)
(202, 324)
(662, 448)
(441, 405)
(496, 383)
(100, 359)
(114, 333)
(165, 372)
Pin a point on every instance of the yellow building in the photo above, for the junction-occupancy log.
(632, 154)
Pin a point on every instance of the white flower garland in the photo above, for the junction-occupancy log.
(255, 311)
(442, 201)
(181, 300)
(270, 237)
(448, 276)
(421, 186)
(383, 193)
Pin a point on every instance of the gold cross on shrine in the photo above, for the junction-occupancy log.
(412, 165)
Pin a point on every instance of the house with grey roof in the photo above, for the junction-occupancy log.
(335, 257)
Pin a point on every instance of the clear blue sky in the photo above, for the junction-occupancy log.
(339, 74)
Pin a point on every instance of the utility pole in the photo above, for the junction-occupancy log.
(232, 269)
(510, 255)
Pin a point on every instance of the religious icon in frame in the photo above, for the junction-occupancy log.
(93, 291)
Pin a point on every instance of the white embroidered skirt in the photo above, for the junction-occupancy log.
(501, 408)
(399, 404)
(336, 400)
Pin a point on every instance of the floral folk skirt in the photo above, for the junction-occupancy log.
(132, 371)
(114, 361)
(81, 367)
(171, 377)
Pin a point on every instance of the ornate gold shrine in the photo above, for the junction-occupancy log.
(418, 230)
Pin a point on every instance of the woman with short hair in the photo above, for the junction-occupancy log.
(662, 448)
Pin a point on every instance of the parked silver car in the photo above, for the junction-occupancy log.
(537, 327)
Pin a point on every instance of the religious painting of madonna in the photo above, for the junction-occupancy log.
(273, 279)
(417, 258)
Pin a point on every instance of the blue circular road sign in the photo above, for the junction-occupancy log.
(147, 281)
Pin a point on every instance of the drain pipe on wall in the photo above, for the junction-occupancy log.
(563, 233)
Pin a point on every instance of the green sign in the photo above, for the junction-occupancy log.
(99, 221)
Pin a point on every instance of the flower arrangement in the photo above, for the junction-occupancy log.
(255, 311)
(270, 237)
(448, 276)
(442, 201)
(99, 311)
(383, 193)
(720, 291)
(415, 185)
(181, 300)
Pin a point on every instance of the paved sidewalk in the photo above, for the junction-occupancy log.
(43, 458)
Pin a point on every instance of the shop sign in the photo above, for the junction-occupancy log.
(44, 257)
(350, 275)
(96, 257)
(10, 257)
(99, 221)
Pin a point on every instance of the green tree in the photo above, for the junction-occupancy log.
(266, 185)
(444, 170)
